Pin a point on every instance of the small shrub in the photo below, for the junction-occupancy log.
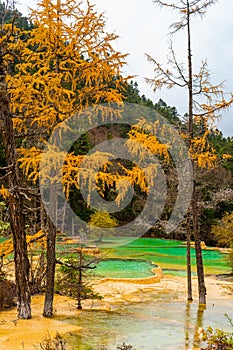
(218, 339)
(4, 228)
(120, 347)
(71, 280)
(124, 347)
(7, 293)
(58, 343)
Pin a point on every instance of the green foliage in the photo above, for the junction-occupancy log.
(102, 219)
(223, 231)
(170, 113)
(230, 259)
(223, 146)
(9, 13)
(72, 280)
(132, 95)
(4, 227)
(218, 339)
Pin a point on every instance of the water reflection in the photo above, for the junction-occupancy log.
(187, 325)
(198, 327)
(152, 325)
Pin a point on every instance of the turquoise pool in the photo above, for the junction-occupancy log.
(124, 268)
(168, 254)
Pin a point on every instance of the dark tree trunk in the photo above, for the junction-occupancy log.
(199, 262)
(51, 256)
(79, 296)
(51, 238)
(189, 271)
(15, 201)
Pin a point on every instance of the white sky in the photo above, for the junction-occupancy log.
(142, 27)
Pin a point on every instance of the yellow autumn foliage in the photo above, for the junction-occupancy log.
(4, 192)
(6, 247)
(223, 231)
(144, 135)
(226, 156)
(66, 64)
(102, 219)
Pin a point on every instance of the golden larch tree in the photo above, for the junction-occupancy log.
(63, 65)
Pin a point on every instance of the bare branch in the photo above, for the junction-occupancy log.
(6, 167)
(172, 5)
(5, 176)
(162, 77)
(87, 266)
(201, 9)
(178, 66)
(31, 210)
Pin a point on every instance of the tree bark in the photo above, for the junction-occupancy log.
(51, 256)
(79, 296)
(17, 220)
(189, 271)
(51, 238)
(199, 262)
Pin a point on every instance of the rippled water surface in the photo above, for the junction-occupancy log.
(169, 254)
(157, 324)
(124, 268)
(162, 320)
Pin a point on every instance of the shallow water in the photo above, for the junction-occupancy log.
(125, 268)
(162, 320)
(154, 325)
(170, 254)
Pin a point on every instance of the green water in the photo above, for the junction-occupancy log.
(163, 322)
(169, 254)
(117, 268)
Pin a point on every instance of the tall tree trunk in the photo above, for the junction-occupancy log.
(16, 200)
(51, 238)
(51, 255)
(189, 271)
(79, 294)
(199, 262)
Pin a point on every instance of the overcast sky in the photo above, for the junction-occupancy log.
(143, 28)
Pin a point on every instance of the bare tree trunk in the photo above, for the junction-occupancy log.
(51, 238)
(42, 216)
(51, 256)
(189, 271)
(79, 296)
(199, 262)
(16, 200)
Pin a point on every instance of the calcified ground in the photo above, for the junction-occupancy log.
(25, 334)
